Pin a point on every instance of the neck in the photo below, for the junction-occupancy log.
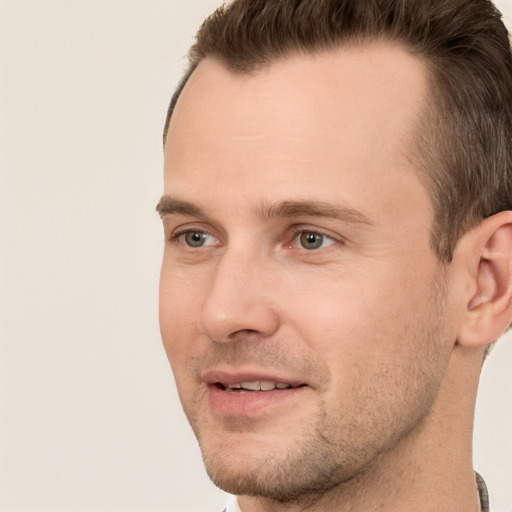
(429, 470)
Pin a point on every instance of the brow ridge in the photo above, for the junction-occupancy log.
(283, 209)
(169, 205)
(292, 209)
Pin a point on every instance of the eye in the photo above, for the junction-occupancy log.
(310, 240)
(197, 238)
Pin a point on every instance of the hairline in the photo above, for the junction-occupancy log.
(357, 42)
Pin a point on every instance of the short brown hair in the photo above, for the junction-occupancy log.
(463, 144)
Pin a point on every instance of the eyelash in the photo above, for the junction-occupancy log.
(177, 237)
(304, 230)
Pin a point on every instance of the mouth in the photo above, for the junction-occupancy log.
(249, 394)
(255, 386)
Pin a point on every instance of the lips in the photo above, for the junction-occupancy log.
(248, 394)
(255, 385)
(250, 380)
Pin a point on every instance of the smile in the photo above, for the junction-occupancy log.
(251, 386)
(245, 397)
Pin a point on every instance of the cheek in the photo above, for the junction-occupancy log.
(341, 308)
(382, 348)
(178, 313)
(359, 317)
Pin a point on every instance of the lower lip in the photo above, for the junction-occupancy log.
(251, 403)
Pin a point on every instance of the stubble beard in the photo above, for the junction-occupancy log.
(335, 450)
(322, 463)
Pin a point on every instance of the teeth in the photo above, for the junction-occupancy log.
(259, 385)
(253, 386)
(267, 386)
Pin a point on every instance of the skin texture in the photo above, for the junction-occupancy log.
(367, 322)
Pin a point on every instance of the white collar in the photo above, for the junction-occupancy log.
(232, 504)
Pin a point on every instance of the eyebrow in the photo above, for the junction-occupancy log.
(169, 205)
(286, 209)
(282, 209)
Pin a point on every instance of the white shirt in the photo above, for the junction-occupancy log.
(232, 504)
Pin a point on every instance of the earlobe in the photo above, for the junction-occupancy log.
(489, 309)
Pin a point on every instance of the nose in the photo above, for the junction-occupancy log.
(239, 302)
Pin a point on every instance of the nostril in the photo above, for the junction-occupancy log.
(243, 333)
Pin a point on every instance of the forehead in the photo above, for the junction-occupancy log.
(299, 123)
(381, 80)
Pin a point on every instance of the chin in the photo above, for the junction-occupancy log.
(293, 472)
(273, 481)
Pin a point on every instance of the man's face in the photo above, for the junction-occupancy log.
(298, 261)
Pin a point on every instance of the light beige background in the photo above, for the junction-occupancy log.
(89, 419)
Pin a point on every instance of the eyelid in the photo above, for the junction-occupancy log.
(288, 240)
(184, 229)
(306, 228)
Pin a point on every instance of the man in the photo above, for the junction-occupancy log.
(338, 221)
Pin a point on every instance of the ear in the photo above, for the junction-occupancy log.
(489, 256)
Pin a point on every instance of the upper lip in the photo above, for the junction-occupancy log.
(229, 378)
